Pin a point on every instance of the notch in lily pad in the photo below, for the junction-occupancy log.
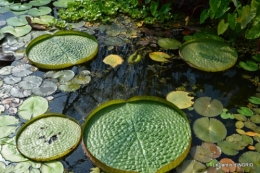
(43, 137)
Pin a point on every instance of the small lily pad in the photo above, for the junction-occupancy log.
(254, 100)
(17, 31)
(215, 150)
(6, 70)
(69, 86)
(14, 21)
(248, 65)
(30, 82)
(48, 133)
(16, 91)
(209, 129)
(39, 2)
(22, 70)
(169, 43)
(113, 60)
(228, 148)
(231, 167)
(239, 124)
(159, 56)
(20, 7)
(255, 119)
(45, 89)
(240, 117)
(33, 107)
(11, 80)
(5, 91)
(64, 75)
(245, 111)
(207, 107)
(201, 154)
(180, 99)
(7, 125)
(81, 79)
(40, 11)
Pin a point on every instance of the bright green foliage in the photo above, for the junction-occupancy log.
(105, 10)
(248, 65)
(241, 18)
(245, 111)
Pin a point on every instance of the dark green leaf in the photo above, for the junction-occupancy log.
(153, 8)
(257, 57)
(223, 8)
(214, 5)
(232, 18)
(247, 16)
(204, 15)
(253, 32)
(165, 9)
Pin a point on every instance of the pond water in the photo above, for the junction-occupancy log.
(146, 78)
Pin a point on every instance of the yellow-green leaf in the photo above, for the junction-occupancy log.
(159, 56)
(113, 60)
(222, 27)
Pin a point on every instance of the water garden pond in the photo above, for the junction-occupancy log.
(221, 106)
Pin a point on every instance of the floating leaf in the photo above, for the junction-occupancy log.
(20, 7)
(247, 139)
(257, 147)
(254, 100)
(45, 89)
(22, 167)
(240, 117)
(48, 133)
(245, 111)
(63, 49)
(209, 129)
(43, 20)
(39, 12)
(234, 138)
(201, 154)
(6, 70)
(52, 167)
(250, 125)
(159, 56)
(231, 167)
(248, 65)
(252, 158)
(5, 91)
(17, 31)
(16, 91)
(14, 21)
(180, 99)
(81, 79)
(113, 60)
(64, 75)
(228, 148)
(255, 119)
(207, 107)
(30, 82)
(240, 131)
(39, 2)
(249, 133)
(5, 3)
(62, 3)
(226, 115)
(188, 166)
(169, 43)
(6, 127)
(69, 86)
(208, 54)
(215, 150)
(32, 107)
(239, 124)
(251, 147)
(147, 115)
(12, 80)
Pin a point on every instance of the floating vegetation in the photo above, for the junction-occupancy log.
(39, 12)
(201, 154)
(252, 158)
(229, 148)
(14, 21)
(64, 75)
(245, 111)
(39, 2)
(69, 86)
(159, 56)
(248, 65)
(169, 43)
(17, 31)
(16, 91)
(6, 70)
(20, 7)
(134, 58)
(6, 123)
(81, 79)
(215, 150)
(45, 89)
(207, 107)
(22, 70)
(5, 91)
(32, 107)
(180, 98)
(12, 80)
(205, 129)
(113, 60)
(188, 166)
(30, 82)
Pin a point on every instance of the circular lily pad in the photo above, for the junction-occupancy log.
(208, 54)
(207, 107)
(169, 43)
(63, 49)
(20, 7)
(143, 134)
(180, 99)
(48, 137)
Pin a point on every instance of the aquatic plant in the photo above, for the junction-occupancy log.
(208, 107)
(113, 60)
(180, 98)
(159, 56)
(146, 114)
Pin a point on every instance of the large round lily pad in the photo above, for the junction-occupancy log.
(143, 134)
(208, 54)
(48, 137)
(63, 49)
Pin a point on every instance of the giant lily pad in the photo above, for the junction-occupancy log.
(145, 133)
(48, 137)
(17, 31)
(208, 54)
(209, 129)
(207, 107)
(63, 49)
(39, 12)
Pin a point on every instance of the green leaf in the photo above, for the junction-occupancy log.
(245, 111)
(169, 43)
(39, 2)
(52, 167)
(17, 31)
(20, 7)
(62, 3)
(256, 58)
(2, 166)
(253, 32)
(248, 65)
(159, 56)
(131, 128)
(222, 27)
(203, 16)
(44, 20)
(214, 5)
(165, 9)
(253, 158)
(153, 8)
(228, 148)
(22, 167)
(254, 100)
(223, 8)
(232, 20)
(147, 1)
(188, 166)
(43, 137)
(235, 3)
(63, 49)
(32, 107)
(7, 125)
(208, 54)
(207, 107)
(14, 21)
(40, 11)
(247, 16)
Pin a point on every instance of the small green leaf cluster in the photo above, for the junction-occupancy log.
(240, 18)
(105, 10)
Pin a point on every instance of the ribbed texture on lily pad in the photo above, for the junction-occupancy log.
(145, 134)
(63, 49)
